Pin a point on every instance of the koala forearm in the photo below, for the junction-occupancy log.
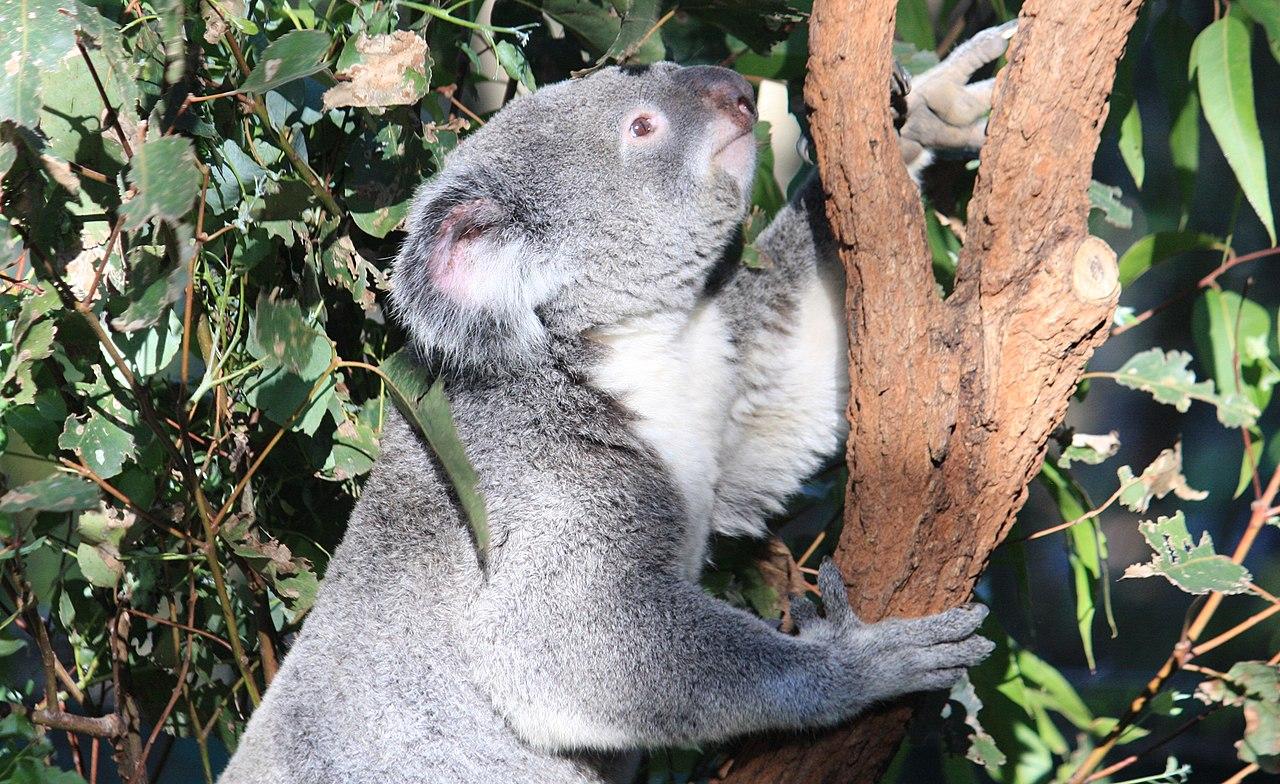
(672, 667)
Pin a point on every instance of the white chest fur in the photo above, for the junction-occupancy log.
(674, 373)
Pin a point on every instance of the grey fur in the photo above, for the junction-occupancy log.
(591, 639)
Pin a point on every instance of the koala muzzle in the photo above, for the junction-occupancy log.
(723, 90)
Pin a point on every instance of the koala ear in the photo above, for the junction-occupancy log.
(464, 254)
(468, 279)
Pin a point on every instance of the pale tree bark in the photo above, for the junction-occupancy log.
(953, 401)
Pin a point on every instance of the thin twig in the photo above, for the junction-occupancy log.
(1244, 773)
(1204, 283)
(102, 265)
(113, 119)
(178, 625)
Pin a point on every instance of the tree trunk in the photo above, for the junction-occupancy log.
(952, 401)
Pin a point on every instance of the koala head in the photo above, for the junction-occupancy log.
(587, 203)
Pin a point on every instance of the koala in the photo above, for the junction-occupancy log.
(623, 393)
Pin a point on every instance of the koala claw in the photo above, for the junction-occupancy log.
(945, 111)
(895, 656)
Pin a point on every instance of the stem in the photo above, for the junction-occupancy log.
(445, 16)
(1086, 516)
(113, 119)
(1244, 773)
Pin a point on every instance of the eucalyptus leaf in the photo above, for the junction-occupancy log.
(291, 56)
(55, 493)
(164, 173)
(1159, 247)
(1168, 379)
(423, 403)
(1195, 567)
(1224, 74)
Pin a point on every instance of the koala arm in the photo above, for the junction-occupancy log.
(788, 318)
(648, 659)
(943, 110)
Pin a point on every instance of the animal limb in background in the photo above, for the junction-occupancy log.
(620, 384)
(940, 109)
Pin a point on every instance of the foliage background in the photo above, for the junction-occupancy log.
(200, 203)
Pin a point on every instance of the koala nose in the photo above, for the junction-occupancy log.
(723, 89)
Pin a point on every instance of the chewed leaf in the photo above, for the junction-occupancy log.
(1162, 477)
(1107, 199)
(387, 70)
(57, 493)
(1253, 686)
(1194, 567)
(1089, 449)
(1168, 379)
(964, 704)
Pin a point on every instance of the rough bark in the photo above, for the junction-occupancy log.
(953, 401)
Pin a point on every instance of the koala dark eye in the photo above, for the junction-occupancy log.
(641, 126)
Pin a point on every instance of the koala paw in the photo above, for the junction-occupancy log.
(943, 110)
(896, 656)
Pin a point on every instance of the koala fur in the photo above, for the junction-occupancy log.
(622, 394)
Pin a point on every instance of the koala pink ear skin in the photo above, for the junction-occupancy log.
(453, 264)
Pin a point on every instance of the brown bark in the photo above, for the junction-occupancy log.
(952, 401)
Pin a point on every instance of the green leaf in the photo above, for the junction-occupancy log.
(1267, 14)
(1167, 378)
(1106, 198)
(56, 493)
(1156, 248)
(100, 563)
(35, 36)
(32, 338)
(355, 447)
(283, 338)
(101, 438)
(1087, 555)
(1230, 330)
(291, 56)
(512, 61)
(109, 525)
(424, 404)
(10, 647)
(1250, 462)
(593, 24)
(165, 174)
(1195, 568)
(281, 395)
(1254, 686)
(151, 290)
(638, 39)
(964, 704)
(1224, 75)
(1126, 120)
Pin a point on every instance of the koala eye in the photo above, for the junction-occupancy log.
(641, 126)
